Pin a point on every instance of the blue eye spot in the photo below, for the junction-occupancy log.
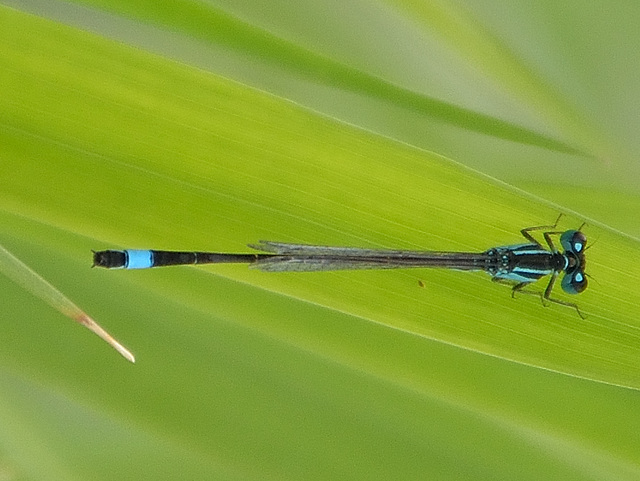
(579, 277)
(577, 246)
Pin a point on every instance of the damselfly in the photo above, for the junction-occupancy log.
(517, 265)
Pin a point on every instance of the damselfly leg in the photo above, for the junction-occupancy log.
(544, 296)
(547, 296)
(546, 234)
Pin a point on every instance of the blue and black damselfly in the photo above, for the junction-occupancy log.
(517, 265)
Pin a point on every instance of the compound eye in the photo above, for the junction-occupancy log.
(573, 241)
(574, 283)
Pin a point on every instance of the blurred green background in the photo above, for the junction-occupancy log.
(407, 124)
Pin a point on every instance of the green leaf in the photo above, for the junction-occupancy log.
(247, 375)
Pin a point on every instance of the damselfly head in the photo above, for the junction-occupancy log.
(574, 241)
(574, 282)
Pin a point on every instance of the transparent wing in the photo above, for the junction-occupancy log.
(308, 258)
(284, 248)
